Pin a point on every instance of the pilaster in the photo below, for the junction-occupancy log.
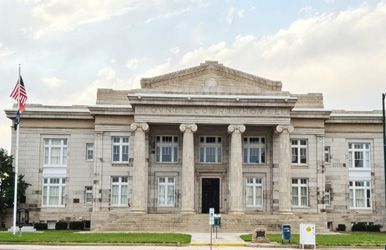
(236, 169)
(140, 168)
(283, 132)
(187, 199)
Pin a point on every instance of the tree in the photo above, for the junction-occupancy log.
(7, 182)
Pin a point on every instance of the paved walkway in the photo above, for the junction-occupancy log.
(222, 238)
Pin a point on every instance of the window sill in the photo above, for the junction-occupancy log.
(361, 208)
(360, 169)
(120, 164)
(61, 206)
(54, 166)
(119, 206)
(301, 207)
(299, 165)
(160, 206)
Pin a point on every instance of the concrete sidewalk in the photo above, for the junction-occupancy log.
(224, 239)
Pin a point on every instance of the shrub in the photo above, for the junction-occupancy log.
(341, 227)
(40, 226)
(77, 225)
(61, 225)
(363, 226)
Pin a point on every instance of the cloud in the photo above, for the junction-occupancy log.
(167, 15)
(175, 50)
(52, 82)
(132, 64)
(331, 53)
(4, 51)
(64, 16)
(230, 15)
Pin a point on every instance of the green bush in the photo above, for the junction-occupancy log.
(61, 225)
(40, 226)
(364, 227)
(77, 225)
(341, 227)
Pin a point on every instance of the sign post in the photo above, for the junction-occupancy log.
(211, 223)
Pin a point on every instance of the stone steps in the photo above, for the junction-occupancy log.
(121, 221)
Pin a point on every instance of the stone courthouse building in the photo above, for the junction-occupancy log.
(157, 158)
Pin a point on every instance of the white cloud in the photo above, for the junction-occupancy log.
(329, 53)
(167, 15)
(132, 64)
(232, 11)
(52, 82)
(175, 50)
(64, 16)
(4, 51)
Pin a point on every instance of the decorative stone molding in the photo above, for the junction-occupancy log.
(188, 127)
(282, 128)
(143, 126)
(238, 128)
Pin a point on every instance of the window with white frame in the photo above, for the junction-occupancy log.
(88, 195)
(120, 149)
(359, 155)
(119, 191)
(360, 194)
(55, 152)
(210, 149)
(299, 192)
(166, 192)
(254, 149)
(327, 197)
(254, 192)
(89, 151)
(299, 151)
(53, 191)
(327, 154)
(166, 148)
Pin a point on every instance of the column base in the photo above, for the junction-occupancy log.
(285, 212)
(187, 211)
(236, 211)
(138, 211)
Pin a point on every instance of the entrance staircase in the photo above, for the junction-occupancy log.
(123, 221)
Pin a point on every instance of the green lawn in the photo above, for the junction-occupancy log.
(347, 239)
(74, 237)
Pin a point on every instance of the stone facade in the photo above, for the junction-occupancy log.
(158, 157)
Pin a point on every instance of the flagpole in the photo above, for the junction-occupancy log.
(16, 158)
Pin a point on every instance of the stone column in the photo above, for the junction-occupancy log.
(187, 199)
(236, 169)
(284, 168)
(140, 169)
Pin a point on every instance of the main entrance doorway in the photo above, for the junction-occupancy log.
(210, 195)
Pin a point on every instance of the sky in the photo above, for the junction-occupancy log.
(69, 48)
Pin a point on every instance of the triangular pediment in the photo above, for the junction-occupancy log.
(211, 77)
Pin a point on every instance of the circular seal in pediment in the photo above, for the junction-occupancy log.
(211, 82)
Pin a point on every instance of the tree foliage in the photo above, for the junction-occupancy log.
(7, 182)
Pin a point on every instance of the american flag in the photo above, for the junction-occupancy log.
(23, 94)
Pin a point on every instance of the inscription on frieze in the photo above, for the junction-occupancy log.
(211, 111)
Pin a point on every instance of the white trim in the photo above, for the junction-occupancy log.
(217, 145)
(120, 183)
(298, 185)
(355, 190)
(260, 146)
(162, 144)
(120, 145)
(61, 195)
(239, 97)
(168, 182)
(254, 186)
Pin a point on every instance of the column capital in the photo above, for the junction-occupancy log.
(240, 128)
(143, 126)
(284, 128)
(185, 127)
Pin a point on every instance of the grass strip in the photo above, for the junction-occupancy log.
(74, 237)
(347, 239)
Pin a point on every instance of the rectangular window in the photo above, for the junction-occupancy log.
(359, 155)
(254, 150)
(327, 154)
(89, 151)
(299, 151)
(166, 192)
(88, 195)
(166, 148)
(55, 152)
(53, 192)
(119, 191)
(254, 192)
(299, 192)
(120, 149)
(210, 149)
(360, 194)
